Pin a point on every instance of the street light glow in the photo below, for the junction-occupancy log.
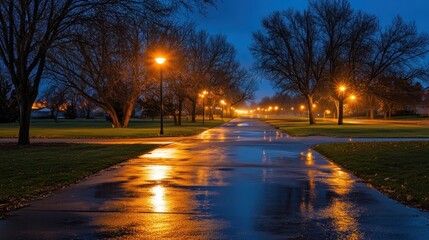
(160, 60)
(342, 88)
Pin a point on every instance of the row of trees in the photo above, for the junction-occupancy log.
(331, 51)
(105, 50)
(398, 104)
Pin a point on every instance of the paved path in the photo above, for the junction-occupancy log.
(243, 180)
(154, 140)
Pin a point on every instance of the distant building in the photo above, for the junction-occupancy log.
(42, 113)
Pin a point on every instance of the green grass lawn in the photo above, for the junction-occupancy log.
(300, 127)
(99, 128)
(398, 169)
(29, 172)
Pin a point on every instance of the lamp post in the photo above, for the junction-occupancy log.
(341, 91)
(204, 108)
(223, 104)
(160, 61)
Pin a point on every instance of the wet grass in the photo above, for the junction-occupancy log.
(30, 172)
(398, 169)
(99, 128)
(298, 127)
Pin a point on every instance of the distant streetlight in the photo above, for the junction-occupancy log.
(326, 112)
(160, 61)
(202, 95)
(222, 102)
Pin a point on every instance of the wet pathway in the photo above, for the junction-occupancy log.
(243, 180)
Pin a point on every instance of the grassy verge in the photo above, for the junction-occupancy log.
(300, 127)
(99, 128)
(398, 169)
(29, 172)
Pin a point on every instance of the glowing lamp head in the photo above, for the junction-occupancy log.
(352, 97)
(160, 60)
(342, 88)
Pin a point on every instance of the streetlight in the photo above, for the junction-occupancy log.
(160, 61)
(204, 109)
(326, 112)
(341, 90)
(223, 104)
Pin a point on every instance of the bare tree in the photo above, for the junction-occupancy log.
(55, 97)
(29, 29)
(242, 88)
(398, 53)
(288, 52)
(331, 49)
(347, 37)
(209, 60)
(97, 65)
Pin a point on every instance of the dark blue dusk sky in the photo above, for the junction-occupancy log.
(237, 19)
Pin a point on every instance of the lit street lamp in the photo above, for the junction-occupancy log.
(204, 109)
(160, 61)
(223, 104)
(341, 90)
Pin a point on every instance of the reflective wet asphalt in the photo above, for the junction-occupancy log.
(243, 180)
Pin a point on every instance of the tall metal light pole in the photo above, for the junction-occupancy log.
(160, 61)
(204, 109)
(222, 102)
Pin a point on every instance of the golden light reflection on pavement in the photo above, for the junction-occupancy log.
(340, 181)
(161, 153)
(344, 219)
(158, 199)
(228, 183)
(213, 135)
(158, 172)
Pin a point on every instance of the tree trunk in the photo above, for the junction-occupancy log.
(211, 117)
(336, 109)
(180, 112)
(56, 115)
(126, 118)
(176, 123)
(114, 118)
(311, 118)
(24, 121)
(371, 107)
(340, 111)
(88, 113)
(194, 111)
